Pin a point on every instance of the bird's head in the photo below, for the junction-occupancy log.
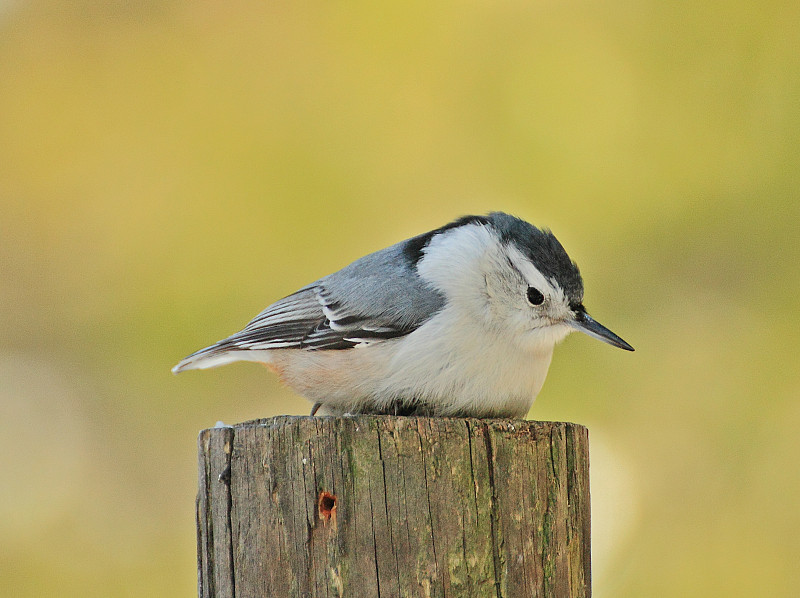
(515, 279)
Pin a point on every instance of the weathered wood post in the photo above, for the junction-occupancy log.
(381, 506)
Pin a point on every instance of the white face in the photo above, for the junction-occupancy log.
(489, 283)
(540, 316)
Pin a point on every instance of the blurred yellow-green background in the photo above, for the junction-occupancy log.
(168, 168)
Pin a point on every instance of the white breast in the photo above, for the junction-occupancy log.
(461, 367)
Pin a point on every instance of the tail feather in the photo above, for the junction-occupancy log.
(219, 354)
(205, 358)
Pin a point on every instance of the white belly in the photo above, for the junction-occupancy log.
(453, 369)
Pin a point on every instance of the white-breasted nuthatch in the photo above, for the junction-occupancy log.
(459, 321)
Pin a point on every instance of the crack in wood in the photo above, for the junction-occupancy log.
(227, 482)
(493, 513)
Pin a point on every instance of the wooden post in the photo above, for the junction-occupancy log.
(382, 506)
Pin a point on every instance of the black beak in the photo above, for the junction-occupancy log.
(587, 325)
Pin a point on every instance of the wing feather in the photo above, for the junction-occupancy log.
(374, 299)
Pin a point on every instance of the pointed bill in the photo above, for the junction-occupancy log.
(586, 324)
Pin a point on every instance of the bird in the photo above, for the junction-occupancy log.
(460, 321)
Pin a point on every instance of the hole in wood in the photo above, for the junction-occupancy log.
(327, 505)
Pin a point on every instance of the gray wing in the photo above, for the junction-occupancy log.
(376, 298)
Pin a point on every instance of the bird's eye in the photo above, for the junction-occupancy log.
(535, 296)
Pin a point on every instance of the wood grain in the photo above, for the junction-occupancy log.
(393, 507)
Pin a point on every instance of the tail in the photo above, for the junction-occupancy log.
(210, 357)
(220, 353)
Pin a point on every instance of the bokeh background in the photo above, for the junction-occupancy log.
(168, 168)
